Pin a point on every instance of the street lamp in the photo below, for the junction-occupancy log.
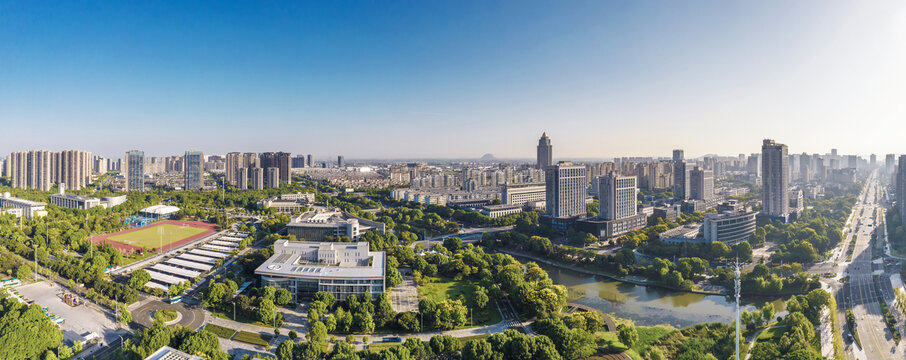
(234, 311)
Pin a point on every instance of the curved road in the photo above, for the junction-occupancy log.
(192, 316)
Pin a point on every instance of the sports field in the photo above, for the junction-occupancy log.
(154, 236)
(170, 234)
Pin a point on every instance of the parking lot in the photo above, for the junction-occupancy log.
(404, 297)
(78, 320)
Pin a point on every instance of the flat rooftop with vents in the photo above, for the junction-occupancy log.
(340, 268)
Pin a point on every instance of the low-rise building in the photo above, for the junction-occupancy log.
(669, 212)
(62, 199)
(729, 227)
(30, 209)
(159, 211)
(688, 234)
(168, 353)
(607, 229)
(112, 201)
(317, 226)
(496, 211)
(518, 194)
(341, 269)
(287, 203)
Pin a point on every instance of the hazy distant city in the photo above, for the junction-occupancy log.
(452, 180)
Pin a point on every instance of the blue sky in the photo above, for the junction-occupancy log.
(452, 78)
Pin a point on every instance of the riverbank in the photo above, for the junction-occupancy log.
(606, 275)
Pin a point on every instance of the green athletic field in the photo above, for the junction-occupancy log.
(151, 237)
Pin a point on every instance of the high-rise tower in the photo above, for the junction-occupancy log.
(545, 152)
(775, 179)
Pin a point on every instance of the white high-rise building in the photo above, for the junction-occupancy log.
(565, 190)
(617, 196)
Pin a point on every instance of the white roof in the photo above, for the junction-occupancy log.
(189, 264)
(161, 210)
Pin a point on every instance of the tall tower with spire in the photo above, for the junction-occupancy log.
(545, 152)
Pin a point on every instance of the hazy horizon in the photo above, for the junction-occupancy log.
(453, 80)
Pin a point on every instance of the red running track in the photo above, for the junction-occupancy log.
(126, 248)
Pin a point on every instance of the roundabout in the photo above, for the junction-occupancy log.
(172, 314)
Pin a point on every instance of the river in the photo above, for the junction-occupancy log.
(650, 305)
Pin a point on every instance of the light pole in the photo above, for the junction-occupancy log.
(234, 311)
(35, 244)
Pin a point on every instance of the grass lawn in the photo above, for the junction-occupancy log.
(770, 334)
(220, 331)
(151, 237)
(166, 315)
(253, 338)
(442, 288)
(648, 335)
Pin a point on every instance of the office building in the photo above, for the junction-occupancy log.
(287, 203)
(545, 152)
(730, 227)
(565, 190)
(519, 194)
(617, 197)
(308, 162)
(320, 226)
(679, 155)
(62, 199)
(298, 161)
(340, 163)
(775, 172)
(341, 269)
(681, 183)
(890, 164)
(134, 170)
(194, 170)
(617, 210)
(805, 168)
(701, 184)
(901, 186)
(30, 209)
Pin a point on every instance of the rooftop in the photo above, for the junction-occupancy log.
(74, 197)
(160, 209)
(287, 261)
(7, 197)
(687, 231)
(168, 353)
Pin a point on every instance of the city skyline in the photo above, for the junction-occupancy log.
(388, 74)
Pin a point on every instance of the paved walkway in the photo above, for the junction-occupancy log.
(751, 340)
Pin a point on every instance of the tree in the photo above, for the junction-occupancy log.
(27, 332)
(453, 243)
(23, 272)
(125, 315)
(139, 278)
(267, 293)
(285, 350)
(481, 297)
(293, 335)
(767, 312)
(267, 311)
(283, 297)
(317, 333)
(627, 334)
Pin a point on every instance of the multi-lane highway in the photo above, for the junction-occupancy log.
(862, 292)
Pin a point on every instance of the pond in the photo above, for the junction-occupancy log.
(651, 305)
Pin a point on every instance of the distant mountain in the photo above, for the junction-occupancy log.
(488, 157)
